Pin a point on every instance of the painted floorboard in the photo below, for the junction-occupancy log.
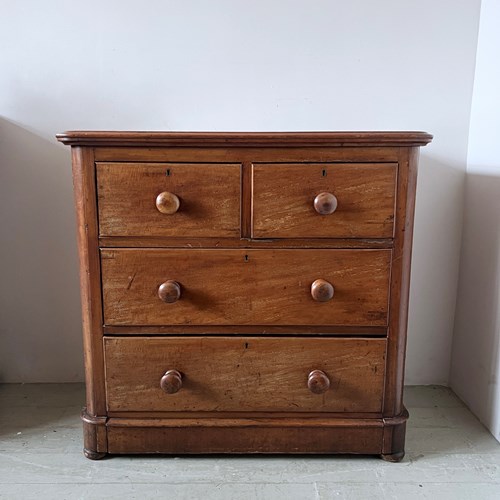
(449, 455)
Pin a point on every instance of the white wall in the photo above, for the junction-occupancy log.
(221, 65)
(475, 369)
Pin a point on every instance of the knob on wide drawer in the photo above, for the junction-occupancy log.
(170, 291)
(167, 203)
(171, 382)
(322, 290)
(318, 382)
(325, 203)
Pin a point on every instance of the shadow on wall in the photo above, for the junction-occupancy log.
(435, 266)
(39, 291)
(475, 369)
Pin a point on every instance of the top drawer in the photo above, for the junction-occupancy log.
(169, 199)
(356, 200)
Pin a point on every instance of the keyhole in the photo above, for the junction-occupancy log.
(323, 173)
(246, 258)
(167, 173)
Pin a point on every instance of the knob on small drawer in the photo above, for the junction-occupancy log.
(171, 382)
(318, 382)
(322, 290)
(167, 203)
(325, 203)
(170, 291)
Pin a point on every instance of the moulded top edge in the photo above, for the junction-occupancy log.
(243, 139)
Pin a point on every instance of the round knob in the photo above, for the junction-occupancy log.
(170, 291)
(325, 203)
(167, 203)
(322, 290)
(171, 382)
(318, 382)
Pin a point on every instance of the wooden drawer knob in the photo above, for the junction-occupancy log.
(170, 291)
(167, 203)
(318, 382)
(325, 203)
(322, 290)
(171, 382)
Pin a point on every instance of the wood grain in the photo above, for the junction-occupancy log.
(246, 200)
(171, 382)
(292, 420)
(167, 203)
(246, 154)
(190, 415)
(238, 139)
(238, 287)
(169, 292)
(146, 242)
(318, 382)
(250, 361)
(322, 290)
(95, 444)
(209, 199)
(325, 203)
(400, 281)
(259, 434)
(242, 374)
(321, 330)
(245, 436)
(90, 285)
(284, 195)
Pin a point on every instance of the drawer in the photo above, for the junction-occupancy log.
(244, 374)
(245, 287)
(169, 199)
(318, 200)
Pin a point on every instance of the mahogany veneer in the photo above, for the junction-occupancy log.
(244, 292)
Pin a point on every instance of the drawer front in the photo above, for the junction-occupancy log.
(245, 374)
(245, 287)
(169, 199)
(294, 200)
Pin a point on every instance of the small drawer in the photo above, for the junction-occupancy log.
(321, 200)
(245, 287)
(169, 199)
(244, 374)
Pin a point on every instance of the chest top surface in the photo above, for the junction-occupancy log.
(238, 139)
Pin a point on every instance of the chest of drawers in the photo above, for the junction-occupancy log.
(244, 292)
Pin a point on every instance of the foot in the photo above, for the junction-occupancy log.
(393, 457)
(93, 455)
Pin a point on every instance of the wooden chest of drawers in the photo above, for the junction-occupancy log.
(244, 292)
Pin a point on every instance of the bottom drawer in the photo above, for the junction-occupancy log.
(244, 374)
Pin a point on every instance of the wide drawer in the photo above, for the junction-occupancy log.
(245, 287)
(169, 199)
(245, 374)
(321, 200)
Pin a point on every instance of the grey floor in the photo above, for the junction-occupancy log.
(450, 455)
